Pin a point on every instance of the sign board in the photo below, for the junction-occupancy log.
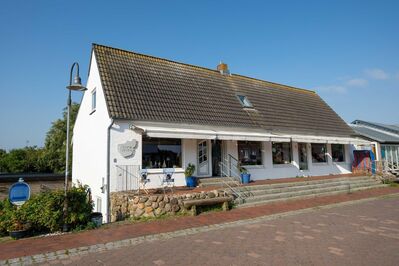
(128, 149)
(19, 192)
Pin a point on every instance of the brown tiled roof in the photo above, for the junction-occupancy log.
(145, 88)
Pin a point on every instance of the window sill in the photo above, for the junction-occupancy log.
(340, 163)
(319, 164)
(251, 166)
(92, 111)
(283, 165)
(160, 170)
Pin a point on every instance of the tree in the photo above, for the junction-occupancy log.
(23, 160)
(55, 148)
(3, 153)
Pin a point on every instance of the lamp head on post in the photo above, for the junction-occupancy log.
(76, 85)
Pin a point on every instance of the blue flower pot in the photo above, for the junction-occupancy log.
(191, 181)
(245, 178)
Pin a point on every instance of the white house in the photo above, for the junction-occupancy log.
(146, 112)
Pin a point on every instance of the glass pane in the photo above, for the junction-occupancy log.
(161, 153)
(338, 152)
(281, 152)
(250, 152)
(319, 153)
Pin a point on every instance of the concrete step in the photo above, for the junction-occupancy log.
(307, 182)
(216, 182)
(299, 187)
(303, 192)
(336, 192)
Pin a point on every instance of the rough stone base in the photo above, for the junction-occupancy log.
(126, 204)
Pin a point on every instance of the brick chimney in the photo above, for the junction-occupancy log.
(223, 68)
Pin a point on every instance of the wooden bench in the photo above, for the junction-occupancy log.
(206, 202)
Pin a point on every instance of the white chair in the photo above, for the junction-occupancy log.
(168, 182)
(143, 180)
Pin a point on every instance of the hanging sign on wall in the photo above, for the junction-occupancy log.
(128, 149)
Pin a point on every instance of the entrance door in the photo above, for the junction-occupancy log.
(203, 160)
(216, 157)
(303, 156)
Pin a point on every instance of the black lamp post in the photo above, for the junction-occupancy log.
(76, 85)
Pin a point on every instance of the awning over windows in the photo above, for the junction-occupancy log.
(180, 134)
(157, 130)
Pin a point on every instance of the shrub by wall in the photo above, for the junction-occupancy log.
(43, 212)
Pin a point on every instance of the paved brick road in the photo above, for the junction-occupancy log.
(363, 234)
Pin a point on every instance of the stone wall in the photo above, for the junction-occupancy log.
(127, 204)
(37, 182)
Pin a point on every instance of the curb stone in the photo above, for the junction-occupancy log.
(67, 253)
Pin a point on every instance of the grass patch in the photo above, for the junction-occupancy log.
(166, 216)
(210, 208)
(392, 183)
(5, 239)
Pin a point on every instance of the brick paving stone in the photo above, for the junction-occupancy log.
(105, 235)
(259, 248)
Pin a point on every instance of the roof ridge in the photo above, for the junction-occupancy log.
(279, 85)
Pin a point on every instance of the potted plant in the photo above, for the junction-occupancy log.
(245, 176)
(18, 228)
(190, 179)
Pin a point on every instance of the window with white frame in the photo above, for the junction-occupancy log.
(202, 152)
(250, 152)
(338, 153)
(93, 100)
(161, 153)
(98, 204)
(319, 151)
(281, 152)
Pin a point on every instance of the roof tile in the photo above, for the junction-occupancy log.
(145, 88)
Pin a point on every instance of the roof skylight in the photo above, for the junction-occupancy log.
(244, 101)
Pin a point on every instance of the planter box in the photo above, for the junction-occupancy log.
(19, 234)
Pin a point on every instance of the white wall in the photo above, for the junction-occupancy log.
(120, 133)
(90, 139)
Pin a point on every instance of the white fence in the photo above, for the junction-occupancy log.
(127, 177)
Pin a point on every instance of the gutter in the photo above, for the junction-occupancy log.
(108, 220)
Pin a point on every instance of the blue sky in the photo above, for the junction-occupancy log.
(345, 50)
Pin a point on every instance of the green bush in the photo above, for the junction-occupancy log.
(7, 214)
(43, 212)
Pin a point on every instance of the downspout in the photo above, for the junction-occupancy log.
(108, 220)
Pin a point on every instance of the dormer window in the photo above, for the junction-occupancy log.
(244, 101)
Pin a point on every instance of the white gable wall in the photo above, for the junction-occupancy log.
(89, 163)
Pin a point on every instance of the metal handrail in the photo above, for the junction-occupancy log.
(131, 178)
(225, 176)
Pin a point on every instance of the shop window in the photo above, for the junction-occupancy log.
(161, 153)
(338, 152)
(281, 152)
(319, 153)
(250, 152)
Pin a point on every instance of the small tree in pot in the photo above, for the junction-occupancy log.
(190, 179)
